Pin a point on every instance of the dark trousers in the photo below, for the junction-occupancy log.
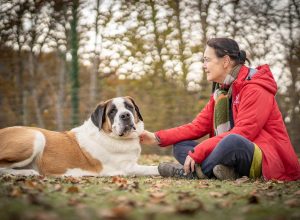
(232, 151)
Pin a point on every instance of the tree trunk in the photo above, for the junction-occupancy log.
(74, 65)
(94, 73)
(37, 109)
(61, 93)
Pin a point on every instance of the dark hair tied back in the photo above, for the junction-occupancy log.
(227, 46)
(242, 57)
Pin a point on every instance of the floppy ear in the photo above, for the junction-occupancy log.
(98, 116)
(136, 108)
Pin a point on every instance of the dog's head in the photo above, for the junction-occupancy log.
(119, 117)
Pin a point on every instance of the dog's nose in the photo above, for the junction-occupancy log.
(125, 116)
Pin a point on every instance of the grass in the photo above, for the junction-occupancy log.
(146, 198)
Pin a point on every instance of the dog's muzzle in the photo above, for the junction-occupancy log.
(127, 124)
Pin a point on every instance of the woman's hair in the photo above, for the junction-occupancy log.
(226, 46)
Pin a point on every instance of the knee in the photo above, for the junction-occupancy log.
(181, 144)
(233, 138)
(181, 149)
(234, 141)
(184, 145)
(177, 148)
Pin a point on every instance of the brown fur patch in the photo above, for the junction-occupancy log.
(136, 118)
(16, 145)
(107, 127)
(62, 152)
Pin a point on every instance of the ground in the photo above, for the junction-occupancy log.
(146, 198)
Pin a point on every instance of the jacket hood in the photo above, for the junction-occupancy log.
(262, 76)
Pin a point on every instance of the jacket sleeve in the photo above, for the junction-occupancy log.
(252, 114)
(199, 127)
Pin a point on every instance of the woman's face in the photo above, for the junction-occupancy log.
(215, 67)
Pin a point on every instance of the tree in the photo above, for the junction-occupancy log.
(289, 21)
(74, 63)
(96, 59)
(12, 32)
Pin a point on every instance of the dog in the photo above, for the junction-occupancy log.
(107, 144)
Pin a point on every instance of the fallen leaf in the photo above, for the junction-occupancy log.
(185, 195)
(203, 184)
(119, 180)
(224, 204)
(42, 215)
(241, 180)
(15, 192)
(73, 189)
(272, 194)
(126, 201)
(120, 212)
(73, 202)
(297, 193)
(30, 184)
(292, 203)
(279, 181)
(158, 195)
(189, 207)
(219, 194)
(71, 179)
(36, 199)
(57, 187)
(157, 198)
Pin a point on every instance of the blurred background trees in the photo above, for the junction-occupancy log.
(59, 58)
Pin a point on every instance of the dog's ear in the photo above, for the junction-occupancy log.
(136, 108)
(98, 116)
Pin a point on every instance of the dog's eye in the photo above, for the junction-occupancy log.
(128, 106)
(112, 111)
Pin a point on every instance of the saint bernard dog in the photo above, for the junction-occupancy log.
(107, 144)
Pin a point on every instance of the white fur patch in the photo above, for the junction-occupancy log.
(117, 126)
(78, 172)
(115, 153)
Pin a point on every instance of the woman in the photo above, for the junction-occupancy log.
(247, 133)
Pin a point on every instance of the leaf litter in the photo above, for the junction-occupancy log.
(144, 197)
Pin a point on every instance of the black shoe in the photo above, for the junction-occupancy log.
(175, 170)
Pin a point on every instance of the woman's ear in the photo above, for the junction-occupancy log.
(226, 61)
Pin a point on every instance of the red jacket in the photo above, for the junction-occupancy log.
(256, 117)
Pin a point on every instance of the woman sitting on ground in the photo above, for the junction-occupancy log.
(247, 133)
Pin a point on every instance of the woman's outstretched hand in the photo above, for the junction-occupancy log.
(148, 138)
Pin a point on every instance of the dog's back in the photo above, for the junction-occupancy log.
(48, 152)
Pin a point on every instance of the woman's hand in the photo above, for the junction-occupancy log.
(148, 138)
(189, 165)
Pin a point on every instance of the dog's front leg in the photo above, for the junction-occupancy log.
(15, 172)
(142, 170)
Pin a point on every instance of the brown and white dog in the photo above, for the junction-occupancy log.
(107, 144)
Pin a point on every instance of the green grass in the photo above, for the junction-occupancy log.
(146, 198)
